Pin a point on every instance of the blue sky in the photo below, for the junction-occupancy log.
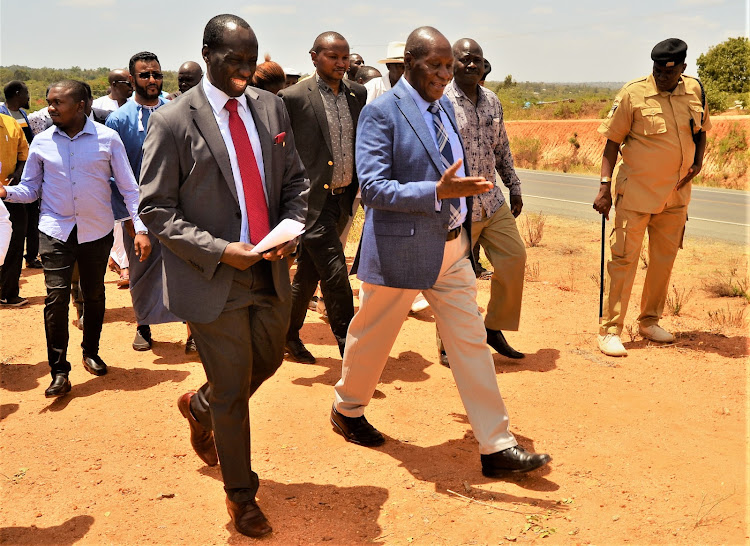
(549, 41)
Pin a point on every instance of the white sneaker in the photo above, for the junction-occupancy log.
(611, 345)
(420, 304)
(656, 333)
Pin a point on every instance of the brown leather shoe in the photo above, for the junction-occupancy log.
(201, 439)
(248, 518)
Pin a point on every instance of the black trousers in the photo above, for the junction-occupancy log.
(322, 259)
(242, 348)
(58, 259)
(10, 273)
(32, 231)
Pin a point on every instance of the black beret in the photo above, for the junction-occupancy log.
(669, 52)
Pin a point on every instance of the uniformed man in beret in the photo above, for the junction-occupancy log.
(658, 124)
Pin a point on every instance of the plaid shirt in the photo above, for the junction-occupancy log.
(486, 146)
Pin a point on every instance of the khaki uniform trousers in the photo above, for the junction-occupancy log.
(506, 251)
(665, 232)
(376, 325)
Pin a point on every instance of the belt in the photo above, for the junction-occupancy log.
(338, 191)
(453, 234)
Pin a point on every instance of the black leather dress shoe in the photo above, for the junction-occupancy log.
(94, 365)
(356, 430)
(248, 518)
(513, 459)
(298, 352)
(190, 346)
(34, 264)
(142, 340)
(201, 438)
(444, 359)
(60, 386)
(496, 340)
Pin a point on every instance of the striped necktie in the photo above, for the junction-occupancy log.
(446, 153)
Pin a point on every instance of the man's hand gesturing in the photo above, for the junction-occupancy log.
(450, 185)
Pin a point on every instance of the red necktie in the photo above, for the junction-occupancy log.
(255, 199)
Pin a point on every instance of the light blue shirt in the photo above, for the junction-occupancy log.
(71, 175)
(453, 138)
(218, 99)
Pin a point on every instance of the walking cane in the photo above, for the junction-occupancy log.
(601, 273)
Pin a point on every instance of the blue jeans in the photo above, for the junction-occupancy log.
(58, 259)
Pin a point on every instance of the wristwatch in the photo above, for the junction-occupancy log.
(605, 180)
(141, 232)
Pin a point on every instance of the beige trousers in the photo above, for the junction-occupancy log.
(374, 328)
(506, 251)
(665, 232)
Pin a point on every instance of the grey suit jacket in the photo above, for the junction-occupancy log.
(189, 199)
(310, 125)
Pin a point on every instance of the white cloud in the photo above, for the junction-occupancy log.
(542, 11)
(258, 9)
(87, 3)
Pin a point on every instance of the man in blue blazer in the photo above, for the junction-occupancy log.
(409, 162)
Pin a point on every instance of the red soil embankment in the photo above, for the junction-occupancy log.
(551, 144)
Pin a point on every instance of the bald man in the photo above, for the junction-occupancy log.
(416, 238)
(120, 90)
(188, 76)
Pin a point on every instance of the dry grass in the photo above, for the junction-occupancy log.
(532, 228)
(532, 272)
(728, 284)
(733, 319)
(678, 299)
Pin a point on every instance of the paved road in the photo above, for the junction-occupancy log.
(713, 213)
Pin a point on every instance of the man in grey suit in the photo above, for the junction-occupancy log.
(220, 169)
(415, 238)
(324, 110)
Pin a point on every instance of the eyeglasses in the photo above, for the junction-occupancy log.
(125, 82)
(147, 75)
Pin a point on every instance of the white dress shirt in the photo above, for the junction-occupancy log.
(6, 228)
(218, 99)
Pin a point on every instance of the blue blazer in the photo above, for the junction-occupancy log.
(398, 166)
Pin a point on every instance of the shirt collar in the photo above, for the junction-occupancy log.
(88, 128)
(652, 90)
(218, 99)
(421, 103)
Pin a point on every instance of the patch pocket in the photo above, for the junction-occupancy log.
(653, 120)
(696, 114)
(394, 229)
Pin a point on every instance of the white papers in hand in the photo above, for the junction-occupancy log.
(284, 232)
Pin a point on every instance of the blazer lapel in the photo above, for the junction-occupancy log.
(203, 117)
(413, 116)
(320, 111)
(263, 126)
(354, 106)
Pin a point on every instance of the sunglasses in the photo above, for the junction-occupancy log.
(125, 82)
(147, 75)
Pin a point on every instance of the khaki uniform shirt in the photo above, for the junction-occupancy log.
(655, 129)
(13, 146)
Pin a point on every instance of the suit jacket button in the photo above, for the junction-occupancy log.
(325, 186)
(330, 162)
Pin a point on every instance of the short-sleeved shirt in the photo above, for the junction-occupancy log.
(13, 146)
(655, 129)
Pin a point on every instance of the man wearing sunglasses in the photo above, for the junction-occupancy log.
(120, 90)
(131, 123)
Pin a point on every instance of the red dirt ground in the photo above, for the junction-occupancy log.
(646, 449)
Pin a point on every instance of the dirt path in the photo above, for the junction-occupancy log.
(646, 449)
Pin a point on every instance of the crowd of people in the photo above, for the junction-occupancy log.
(175, 191)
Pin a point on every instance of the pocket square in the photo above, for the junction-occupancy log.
(279, 139)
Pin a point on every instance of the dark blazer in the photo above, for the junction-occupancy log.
(308, 117)
(189, 199)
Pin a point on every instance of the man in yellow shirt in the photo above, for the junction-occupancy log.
(14, 150)
(658, 125)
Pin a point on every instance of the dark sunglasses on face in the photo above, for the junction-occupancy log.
(147, 75)
(124, 82)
